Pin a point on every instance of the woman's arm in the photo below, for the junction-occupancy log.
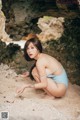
(40, 65)
(22, 88)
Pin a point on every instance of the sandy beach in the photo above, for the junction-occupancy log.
(32, 104)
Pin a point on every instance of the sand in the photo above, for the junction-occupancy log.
(32, 104)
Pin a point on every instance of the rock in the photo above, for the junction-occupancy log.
(3, 35)
(51, 27)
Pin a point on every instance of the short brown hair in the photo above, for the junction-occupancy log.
(36, 43)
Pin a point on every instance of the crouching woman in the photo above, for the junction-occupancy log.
(48, 72)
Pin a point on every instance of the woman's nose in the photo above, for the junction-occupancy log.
(29, 50)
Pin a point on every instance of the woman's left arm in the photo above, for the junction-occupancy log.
(40, 65)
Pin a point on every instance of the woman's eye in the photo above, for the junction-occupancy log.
(32, 47)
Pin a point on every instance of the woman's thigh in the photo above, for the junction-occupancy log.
(55, 89)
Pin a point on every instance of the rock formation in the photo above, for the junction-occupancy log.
(52, 28)
(3, 35)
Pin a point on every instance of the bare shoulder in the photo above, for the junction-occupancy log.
(41, 60)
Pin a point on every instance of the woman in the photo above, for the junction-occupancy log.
(48, 73)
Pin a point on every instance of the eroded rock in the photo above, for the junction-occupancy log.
(51, 27)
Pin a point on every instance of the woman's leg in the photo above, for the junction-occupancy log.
(36, 77)
(53, 89)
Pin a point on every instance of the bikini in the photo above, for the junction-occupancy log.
(62, 78)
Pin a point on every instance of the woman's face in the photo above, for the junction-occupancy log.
(32, 51)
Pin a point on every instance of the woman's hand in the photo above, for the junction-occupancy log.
(21, 89)
(25, 74)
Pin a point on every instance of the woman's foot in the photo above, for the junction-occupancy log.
(49, 97)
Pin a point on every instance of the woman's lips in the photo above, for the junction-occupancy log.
(30, 55)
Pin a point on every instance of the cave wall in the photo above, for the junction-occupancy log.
(22, 15)
(21, 19)
(19, 15)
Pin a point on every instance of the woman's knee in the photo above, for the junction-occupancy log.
(34, 72)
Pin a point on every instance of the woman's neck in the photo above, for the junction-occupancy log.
(38, 56)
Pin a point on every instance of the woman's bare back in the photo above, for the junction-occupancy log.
(52, 66)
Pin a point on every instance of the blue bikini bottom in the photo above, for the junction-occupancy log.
(62, 78)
